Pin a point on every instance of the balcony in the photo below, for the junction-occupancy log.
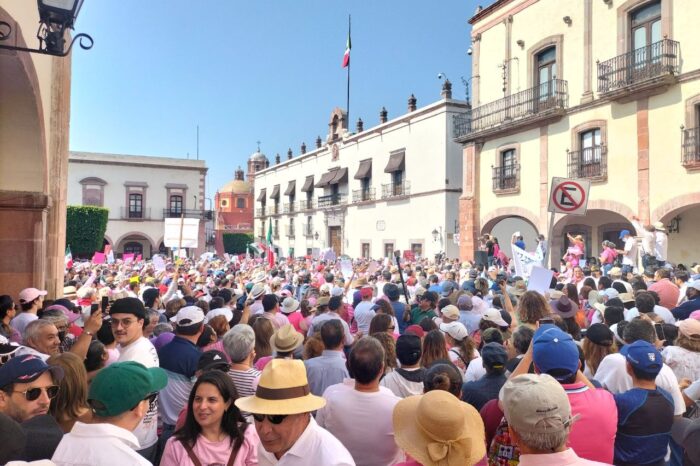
(364, 195)
(546, 101)
(290, 207)
(290, 231)
(189, 213)
(307, 204)
(648, 69)
(308, 230)
(506, 179)
(392, 190)
(273, 209)
(331, 200)
(143, 214)
(691, 148)
(260, 212)
(591, 162)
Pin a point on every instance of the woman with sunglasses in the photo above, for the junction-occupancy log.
(214, 431)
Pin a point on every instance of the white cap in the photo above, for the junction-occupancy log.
(188, 315)
(456, 330)
(221, 311)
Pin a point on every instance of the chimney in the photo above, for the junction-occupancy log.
(383, 115)
(360, 125)
(412, 103)
(303, 148)
(277, 158)
(446, 89)
(318, 142)
(289, 154)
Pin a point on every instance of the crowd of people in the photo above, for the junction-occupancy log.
(234, 362)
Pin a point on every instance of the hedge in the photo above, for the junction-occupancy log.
(236, 243)
(85, 229)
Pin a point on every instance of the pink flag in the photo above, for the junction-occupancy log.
(98, 258)
(128, 258)
(138, 258)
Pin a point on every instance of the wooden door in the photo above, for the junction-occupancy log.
(336, 240)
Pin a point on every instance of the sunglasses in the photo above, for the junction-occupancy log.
(34, 393)
(275, 419)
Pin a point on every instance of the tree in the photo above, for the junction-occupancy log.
(85, 228)
(236, 243)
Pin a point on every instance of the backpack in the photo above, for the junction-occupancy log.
(503, 451)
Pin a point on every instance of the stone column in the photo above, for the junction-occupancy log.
(469, 217)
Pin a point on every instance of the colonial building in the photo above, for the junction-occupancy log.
(140, 192)
(234, 204)
(606, 90)
(393, 186)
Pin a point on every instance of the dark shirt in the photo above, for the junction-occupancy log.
(683, 311)
(480, 391)
(399, 309)
(180, 356)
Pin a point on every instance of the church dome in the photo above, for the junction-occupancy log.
(258, 156)
(238, 185)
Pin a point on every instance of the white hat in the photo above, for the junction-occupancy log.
(188, 315)
(456, 330)
(494, 315)
(289, 305)
(337, 291)
(221, 311)
(451, 311)
(257, 290)
(611, 293)
(258, 277)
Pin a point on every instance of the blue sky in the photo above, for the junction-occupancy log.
(256, 70)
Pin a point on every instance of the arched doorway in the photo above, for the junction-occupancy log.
(135, 243)
(682, 225)
(504, 227)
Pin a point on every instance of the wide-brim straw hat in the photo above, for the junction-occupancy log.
(258, 277)
(286, 339)
(283, 389)
(439, 429)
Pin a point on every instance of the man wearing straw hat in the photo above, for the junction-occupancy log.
(281, 408)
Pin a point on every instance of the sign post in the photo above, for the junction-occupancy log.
(569, 197)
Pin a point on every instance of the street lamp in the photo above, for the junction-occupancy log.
(55, 16)
(435, 235)
(316, 236)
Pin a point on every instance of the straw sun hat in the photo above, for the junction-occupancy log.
(286, 339)
(438, 428)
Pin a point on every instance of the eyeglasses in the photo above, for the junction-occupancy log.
(34, 393)
(275, 419)
(124, 322)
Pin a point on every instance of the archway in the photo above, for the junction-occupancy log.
(503, 223)
(135, 243)
(681, 217)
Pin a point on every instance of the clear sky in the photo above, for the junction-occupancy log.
(267, 70)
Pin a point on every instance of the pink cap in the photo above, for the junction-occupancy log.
(28, 295)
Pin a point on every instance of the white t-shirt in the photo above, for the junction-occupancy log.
(630, 255)
(684, 363)
(143, 351)
(98, 444)
(660, 311)
(362, 421)
(364, 315)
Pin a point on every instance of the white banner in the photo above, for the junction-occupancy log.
(523, 261)
(190, 233)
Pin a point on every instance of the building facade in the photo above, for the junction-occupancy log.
(140, 192)
(394, 186)
(34, 121)
(233, 205)
(604, 90)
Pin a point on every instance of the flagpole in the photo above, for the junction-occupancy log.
(347, 98)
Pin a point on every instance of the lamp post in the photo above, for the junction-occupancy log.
(55, 16)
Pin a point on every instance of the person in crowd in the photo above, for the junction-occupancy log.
(598, 343)
(683, 357)
(461, 347)
(663, 286)
(70, 404)
(239, 343)
(425, 308)
(30, 301)
(329, 368)
(629, 252)
(532, 306)
(358, 412)
(539, 421)
(290, 308)
(406, 380)
(364, 311)
(327, 309)
(214, 431)
(434, 348)
(281, 408)
(7, 313)
(443, 375)
(517, 346)
(285, 343)
(692, 302)
(382, 323)
(645, 412)
(120, 396)
(468, 315)
(271, 311)
(40, 339)
(264, 329)
(477, 393)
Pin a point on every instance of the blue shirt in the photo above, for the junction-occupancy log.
(326, 370)
(479, 392)
(683, 311)
(645, 418)
(399, 309)
(179, 359)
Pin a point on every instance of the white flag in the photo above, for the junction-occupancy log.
(524, 261)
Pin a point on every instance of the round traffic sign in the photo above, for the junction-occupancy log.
(569, 196)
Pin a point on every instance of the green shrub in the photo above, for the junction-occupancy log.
(236, 243)
(85, 229)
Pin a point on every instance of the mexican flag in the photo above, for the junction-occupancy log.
(68, 258)
(346, 57)
(270, 252)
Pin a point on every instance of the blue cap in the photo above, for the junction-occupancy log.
(624, 233)
(553, 349)
(643, 356)
(26, 368)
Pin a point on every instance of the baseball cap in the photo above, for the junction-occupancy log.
(128, 306)
(28, 295)
(555, 350)
(643, 356)
(212, 360)
(408, 349)
(120, 386)
(536, 403)
(456, 330)
(494, 315)
(694, 284)
(415, 330)
(26, 368)
(624, 233)
(600, 334)
(219, 311)
(366, 292)
(188, 315)
(494, 355)
(451, 311)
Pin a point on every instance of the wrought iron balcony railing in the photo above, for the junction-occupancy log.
(364, 195)
(691, 147)
(135, 214)
(522, 106)
(659, 59)
(591, 162)
(331, 200)
(307, 204)
(506, 178)
(396, 189)
(260, 212)
(189, 213)
(290, 207)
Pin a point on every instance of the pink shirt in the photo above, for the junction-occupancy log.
(667, 291)
(295, 318)
(593, 433)
(563, 458)
(213, 452)
(608, 256)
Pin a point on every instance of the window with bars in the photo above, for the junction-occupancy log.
(135, 205)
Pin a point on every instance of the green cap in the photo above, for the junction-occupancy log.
(119, 387)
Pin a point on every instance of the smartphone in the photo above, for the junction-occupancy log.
(94, 308)
(105, 303)
(660, 331)
(546, 320)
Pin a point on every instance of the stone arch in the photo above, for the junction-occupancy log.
(613, 206)
(673, 206)
(489, 220)
(141, 234)
(109, 240)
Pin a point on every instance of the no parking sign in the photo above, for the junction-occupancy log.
(569, 196)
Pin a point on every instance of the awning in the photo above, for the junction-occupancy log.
(326, 178)
(396, 162)
(262, 195)
(341, 175)
(290, 188)
(308, 184)
(365, 170)
(275, 192)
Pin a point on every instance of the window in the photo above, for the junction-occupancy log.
(309, 227)
(646, 26)
(365, 187)
(591, 151)
(223, 203)
(133, 248)
(508, 169)
(176, 205)
(546, 73)
(276, 229)
(417, 249)
(93, 191)
(135, 206)
(240, 203)
(388, 249)
(291, 228)
(397, 182)
(365, 250)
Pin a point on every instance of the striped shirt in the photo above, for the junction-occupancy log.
(244, 381)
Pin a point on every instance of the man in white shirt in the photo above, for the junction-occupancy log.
(364, 310)
(359, 412)
(648, 241)
(119, 396)
(629, 253)
(282, 407)
(40, 339)
(127, 318)
(661, 244)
